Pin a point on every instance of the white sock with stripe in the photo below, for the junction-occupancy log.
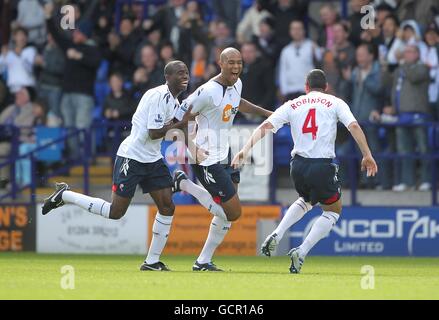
(217, 231)
(160, 231)
(320, 229)
(94, 205)
(294, 213)
(203, 197)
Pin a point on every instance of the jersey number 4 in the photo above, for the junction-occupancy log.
(309, 126)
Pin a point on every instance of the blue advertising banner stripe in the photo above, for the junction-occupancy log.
(375, 231)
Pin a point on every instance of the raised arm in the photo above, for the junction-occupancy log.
(248, 107)
(367, 163)
(257, 135)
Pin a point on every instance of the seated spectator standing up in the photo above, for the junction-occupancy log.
(82, 61)
(410, 102)
(257, 77)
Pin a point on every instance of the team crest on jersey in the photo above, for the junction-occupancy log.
(158, 118)
(228, 111)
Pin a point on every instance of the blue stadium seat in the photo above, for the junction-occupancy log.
(283, 144)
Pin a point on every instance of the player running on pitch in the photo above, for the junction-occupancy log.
(313, 119)
(217, 103)
(139, 162)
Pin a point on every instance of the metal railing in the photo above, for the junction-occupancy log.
(97, 136)
(14, 156)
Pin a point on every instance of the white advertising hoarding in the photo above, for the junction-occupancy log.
(70, 229)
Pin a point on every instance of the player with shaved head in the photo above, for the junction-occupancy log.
(216, 102)
(139, 162)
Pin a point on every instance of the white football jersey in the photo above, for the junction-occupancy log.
(217, 105)
(313, 119)
(156, 108)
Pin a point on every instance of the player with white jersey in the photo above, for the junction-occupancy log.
(313, 119)
(217, 103)
(139, 161)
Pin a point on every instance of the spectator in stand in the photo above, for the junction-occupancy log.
(410, 104)
(139, 85)
(18, 62)
(166, 20)
(414, 10)
(52, 65)
(192, 31)
(249, 26)
(411, 35)
(365, 88)
(23, 167)
(341, 56)
(18, 114)
(257, 77)
(198, 67)
(355, 20)
(266, 42)
(284, 12)
(166, 53)
(118, 105)
(329, 17)
(296, 60)
(228, 11)
(82, 61)
(122, 48)
(222, 37)
(31, 17)
(150, 62)
(392, 44)
(432, 41)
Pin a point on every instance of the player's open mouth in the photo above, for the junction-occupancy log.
(184, 83)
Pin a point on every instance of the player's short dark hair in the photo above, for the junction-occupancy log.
(316, 79)
(172, 66)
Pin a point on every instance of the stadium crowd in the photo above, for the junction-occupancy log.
(388, 73)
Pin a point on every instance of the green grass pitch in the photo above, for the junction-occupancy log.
(37, 276)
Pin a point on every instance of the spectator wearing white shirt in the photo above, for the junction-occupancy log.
(249, 25)
(18, 62)
(296, 61)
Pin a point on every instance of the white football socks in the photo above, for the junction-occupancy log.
(218, 230)
(160, 231)
(203, 197)
(320, 229)
(294, 213)
(93, 205)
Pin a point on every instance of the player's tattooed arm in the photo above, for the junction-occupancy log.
(257, 135)
(248, 107)
(160, 133)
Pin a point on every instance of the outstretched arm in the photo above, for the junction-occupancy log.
(248, 107)
(367, 163)
(257, 135)
(160, 133)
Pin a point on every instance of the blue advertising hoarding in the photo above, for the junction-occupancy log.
(375, 231)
